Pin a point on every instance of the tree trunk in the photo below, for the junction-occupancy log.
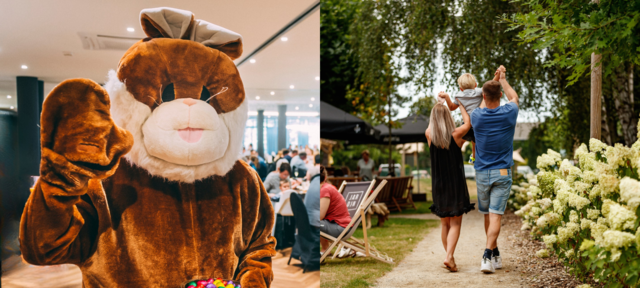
(623, 99)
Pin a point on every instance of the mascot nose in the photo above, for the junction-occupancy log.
(189, 101)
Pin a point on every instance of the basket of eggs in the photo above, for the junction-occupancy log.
(211, 283)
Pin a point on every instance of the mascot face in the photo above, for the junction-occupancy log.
(183, 102)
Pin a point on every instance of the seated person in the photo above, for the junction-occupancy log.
(334, 216)
(285, 185)
(298, 163)
(272, 181)
(312, 199)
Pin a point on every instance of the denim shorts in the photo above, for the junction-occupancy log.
(331, 228)
(493, 190)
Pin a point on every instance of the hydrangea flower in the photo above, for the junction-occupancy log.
(525, 226)
(568, 232)
(617, 239)
(549, 240)
(542, 253)
(608, 183)
(558, 207)
(554, 155)
(581, 187)
(617, 216)
(573, 217)
(569, 253)
(596, 145)
(546, 182)
(630, 192)
(618, 155)
(544, 162)
(585, 223)
(589, 177)
(593, 214)
(545, 203)
(598, 228)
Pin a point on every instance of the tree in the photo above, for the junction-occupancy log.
(423, 106)
(576, 29)
(338, 64)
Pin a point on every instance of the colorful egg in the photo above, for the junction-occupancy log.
(202, 282)
(191, 286)
(192, 283)
(210, 285)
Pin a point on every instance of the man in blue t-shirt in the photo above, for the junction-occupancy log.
(494, 126)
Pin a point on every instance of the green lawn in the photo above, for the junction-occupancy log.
(397, 238)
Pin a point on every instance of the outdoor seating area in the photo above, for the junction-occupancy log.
(362, 201)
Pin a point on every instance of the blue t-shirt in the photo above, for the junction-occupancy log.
(312, 201)
(494, 129)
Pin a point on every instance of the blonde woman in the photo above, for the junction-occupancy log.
(449, 186)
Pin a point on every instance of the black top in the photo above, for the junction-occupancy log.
(448, 183)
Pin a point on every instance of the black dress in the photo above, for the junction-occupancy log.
(448, 183)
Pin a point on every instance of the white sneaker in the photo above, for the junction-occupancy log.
(344, 252)
(487, 266)
(497, 262)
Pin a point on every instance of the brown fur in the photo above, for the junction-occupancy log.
(123, 227)
(150, 65)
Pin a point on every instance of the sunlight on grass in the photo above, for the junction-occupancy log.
(425, 185)
(397, 238)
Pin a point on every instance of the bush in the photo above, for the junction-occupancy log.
(587, 214)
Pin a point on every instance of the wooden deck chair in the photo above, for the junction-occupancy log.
(352, 206)
(401, 195)
(345, 238)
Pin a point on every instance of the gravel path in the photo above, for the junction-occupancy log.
(424, 268)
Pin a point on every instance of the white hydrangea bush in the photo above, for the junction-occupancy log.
(586, 211)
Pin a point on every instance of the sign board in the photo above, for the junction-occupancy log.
(354, 193)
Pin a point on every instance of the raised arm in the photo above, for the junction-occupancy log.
(511, 94)
(80, 146)
(452, 106)
(462, 130)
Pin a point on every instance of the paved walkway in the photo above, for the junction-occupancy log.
(424, 268)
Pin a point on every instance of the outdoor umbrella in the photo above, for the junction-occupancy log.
(336, 124)
(413, 129)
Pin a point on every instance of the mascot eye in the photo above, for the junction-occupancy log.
(168, 94)
(205, 94)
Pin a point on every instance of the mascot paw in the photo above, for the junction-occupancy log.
(79, 138)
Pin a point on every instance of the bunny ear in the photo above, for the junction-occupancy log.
(218, 38)
(164, 22)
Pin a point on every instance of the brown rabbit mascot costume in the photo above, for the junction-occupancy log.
(181, 205)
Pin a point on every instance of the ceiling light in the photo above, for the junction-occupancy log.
(297, 107)
(9, 96)
(130, 29)
(257, 97)
(11, 107)
(24, 67)
(310, 105)
(317, 78)
(252, 60)
(284, 39)
(291, 87)
(273, 93)
(313, 98)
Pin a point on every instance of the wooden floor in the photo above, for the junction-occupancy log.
(68, 276)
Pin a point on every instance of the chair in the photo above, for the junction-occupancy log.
(307, 246)
(283, 207)
(401, 194)
(396, 195)
(345, 238)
